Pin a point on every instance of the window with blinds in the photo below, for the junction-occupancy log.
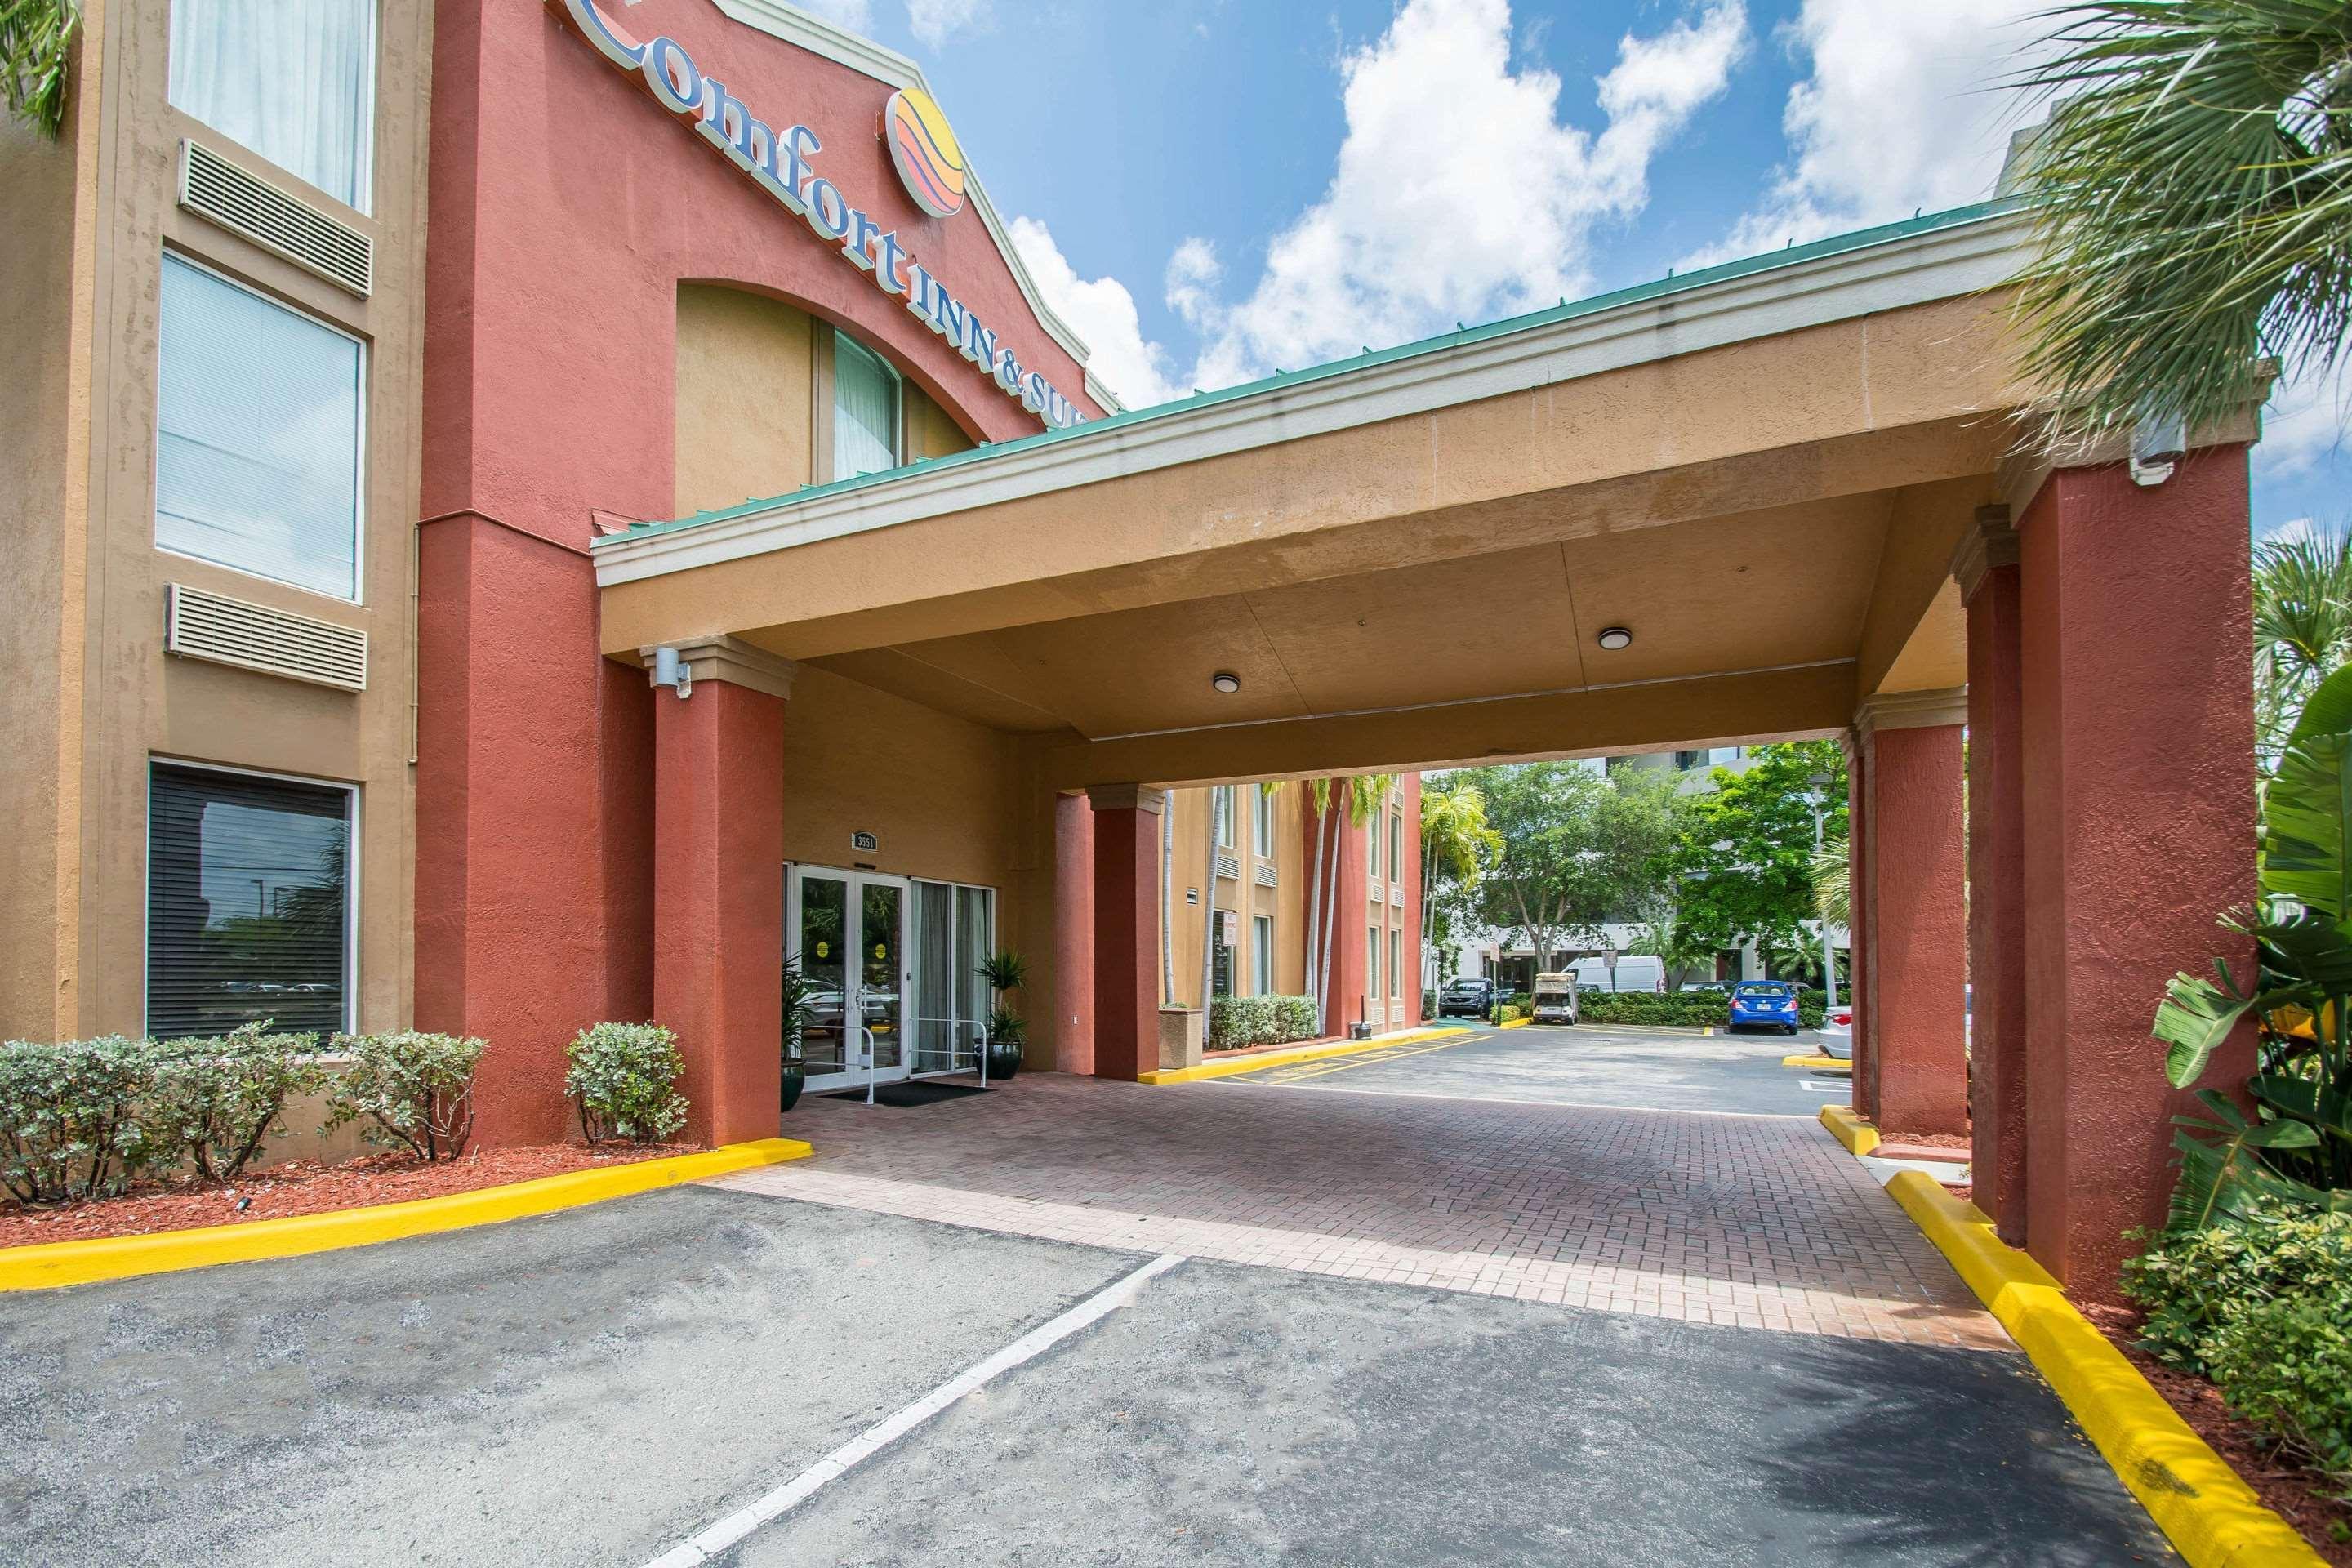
(249, 903)
(295, 83)
(865, 410)
(257, 436)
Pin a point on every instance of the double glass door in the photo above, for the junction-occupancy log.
(849, 929)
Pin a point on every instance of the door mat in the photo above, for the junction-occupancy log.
(907, 1094)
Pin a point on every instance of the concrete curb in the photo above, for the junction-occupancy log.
(1233, 1066)
(1818, 1064)
(2214, 1519)
(46, 1265)
(1516, 1024)
(1859, 1136)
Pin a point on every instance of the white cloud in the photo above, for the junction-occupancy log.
(1902, 107)
(1460, 194)
(858, 16)
(2294, 531)
(1101, 312)
(2303, 426)
(936, 21)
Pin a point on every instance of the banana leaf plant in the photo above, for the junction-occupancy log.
(2297, 1145)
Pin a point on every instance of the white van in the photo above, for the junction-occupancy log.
(1634, 971)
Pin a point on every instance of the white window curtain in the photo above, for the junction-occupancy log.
(865, 410)
(258, 435)
(1261, 954)
(292, 79)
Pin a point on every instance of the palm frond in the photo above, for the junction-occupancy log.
(2193, 197)
(36, 39)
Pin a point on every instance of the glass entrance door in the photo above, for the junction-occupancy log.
(849, 929)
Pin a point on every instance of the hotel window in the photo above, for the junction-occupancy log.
(294, 83)
(1396, 964)
(249, 903)
(1371, 962)
(866, 413)
(259, 436)
(1262, 953)
(1262, 819)
(1372, 850)
(1220, 802)
(1396, 844)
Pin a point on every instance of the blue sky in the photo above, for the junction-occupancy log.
(1210, 189)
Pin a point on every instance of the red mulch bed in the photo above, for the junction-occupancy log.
(1923, 1140)
(1209, 1056)
(2285, 1488)
(302, 1186)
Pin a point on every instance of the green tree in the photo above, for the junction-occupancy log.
(37, 40)
(1581, 849)
(2303, 626)
(1743, 864)
(2193, 197)
(1456, 849)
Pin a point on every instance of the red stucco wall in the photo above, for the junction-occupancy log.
(2136, 643)
(1997, 901)
(1126, 942)
(566, 206)
(1918, 950)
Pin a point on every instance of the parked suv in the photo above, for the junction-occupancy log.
(1468, 997)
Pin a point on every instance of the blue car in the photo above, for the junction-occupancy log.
(1764, 1004)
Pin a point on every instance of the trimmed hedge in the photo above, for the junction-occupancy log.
(1676, 1009)
(2262, 1307)
(84, 1119)
(416, 1089)
(623, 1078)
(1236, 1023)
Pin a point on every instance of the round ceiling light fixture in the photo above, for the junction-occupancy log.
(1226, 681)
(1615, 637)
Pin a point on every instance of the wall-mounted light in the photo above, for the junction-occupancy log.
(673, 672)
(1226, 681)
(1615, 637)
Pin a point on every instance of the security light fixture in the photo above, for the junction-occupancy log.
(1226, 681)
(1615, 637)
(673, 671)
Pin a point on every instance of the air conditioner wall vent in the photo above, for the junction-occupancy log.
(211, 187)
(222, 630)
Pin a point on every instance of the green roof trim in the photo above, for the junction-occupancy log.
(1567, 311)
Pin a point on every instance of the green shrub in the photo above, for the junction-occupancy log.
(2192, 1286)
(1238, 1022)
(2286, 1365)
(625, 1078)
(1509, 1012)
(74, 1120)
(417, 1090)
(215, 1100)
(1676, 1009)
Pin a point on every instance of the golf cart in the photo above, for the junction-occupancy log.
(1555, 998)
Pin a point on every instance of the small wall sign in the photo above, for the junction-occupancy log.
(864, 843)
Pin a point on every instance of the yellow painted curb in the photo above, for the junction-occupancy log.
(48, 1264)
(1850, 1128)
(2213, 1518)
(1231, 1065)
(1818, 1064)
(1516, 1024)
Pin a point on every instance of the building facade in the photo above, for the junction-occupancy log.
(316, 723)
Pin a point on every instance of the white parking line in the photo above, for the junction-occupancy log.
(708, 1542)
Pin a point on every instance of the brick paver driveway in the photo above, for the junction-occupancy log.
(1759, 1221)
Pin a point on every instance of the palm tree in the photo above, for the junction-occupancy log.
(37, 37)
(1833, 883)
(1366, 794)
(1318, 802)
(2303, 625)
(2193, 197)
(1455, 839)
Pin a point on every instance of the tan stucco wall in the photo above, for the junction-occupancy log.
(47, 262)
(139, 703)
(944, 796)
(1286, 900)
(754, 405)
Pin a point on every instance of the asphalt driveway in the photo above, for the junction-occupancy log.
(1066, 1369)
(1585, 1063)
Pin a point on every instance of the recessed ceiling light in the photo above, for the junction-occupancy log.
(1614, 637)
(1226, 681)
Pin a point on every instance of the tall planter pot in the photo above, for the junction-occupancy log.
(795, 1080)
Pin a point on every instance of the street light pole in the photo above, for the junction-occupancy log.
(1820, 797)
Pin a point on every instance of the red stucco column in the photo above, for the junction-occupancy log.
(1410, 875)
(1860, 992)
(1126, 929)
(1919, 949)
(1074, 934)
(1986, 567)
(2135, 631)
(718, 886)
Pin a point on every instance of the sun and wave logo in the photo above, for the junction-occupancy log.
(931, 162)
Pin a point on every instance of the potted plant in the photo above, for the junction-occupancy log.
(800, 1011)
(1005, 973)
